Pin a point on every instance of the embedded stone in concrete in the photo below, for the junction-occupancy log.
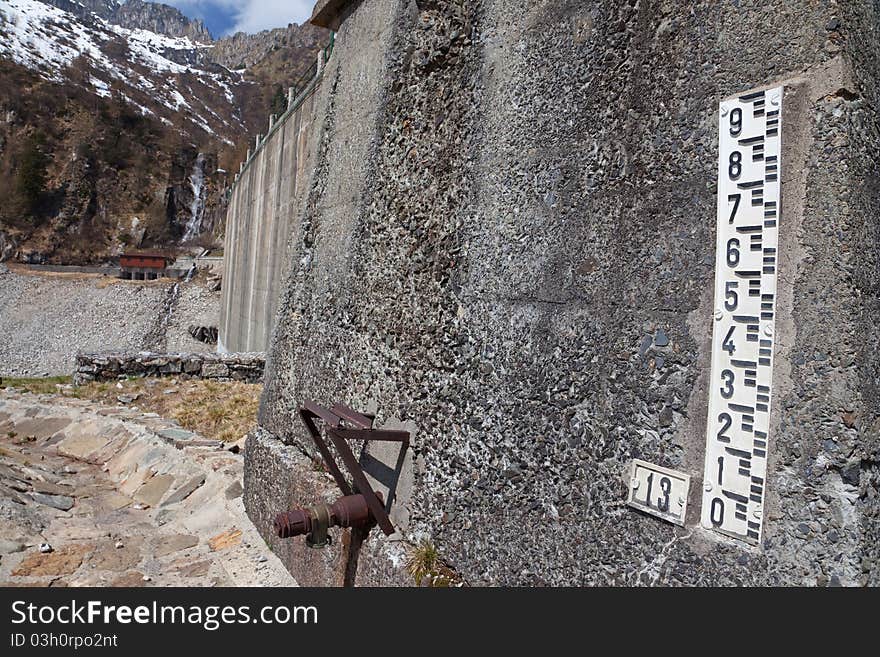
(234, 491)
(198, 569)
(135, 479)
(52, 489)
(173, 436)
(175, 543)
(114, 559)
(42, 428)
(113, 501)
(131, 580)
(19, 486)
(63, 561)
(8, 473)
(16, 496)
(185, 491)
(226, 540)
(182, 444)
(60, 502)
(83, 445)
(152, 492)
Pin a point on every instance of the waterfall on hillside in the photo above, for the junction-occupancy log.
(197, 184)
(157, 339)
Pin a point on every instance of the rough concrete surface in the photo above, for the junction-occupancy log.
(509, 240)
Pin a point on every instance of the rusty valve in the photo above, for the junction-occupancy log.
(361, 508)
(314, 522)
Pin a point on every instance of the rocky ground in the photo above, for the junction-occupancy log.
(198, 306)
(96, 495)
(46, 319)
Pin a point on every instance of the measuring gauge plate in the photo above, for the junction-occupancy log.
(659, 491)
(744, 342)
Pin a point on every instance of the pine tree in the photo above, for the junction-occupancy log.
(279, 101)
(31, 175)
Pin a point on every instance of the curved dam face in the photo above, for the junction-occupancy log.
(508, 246)
(264, 209)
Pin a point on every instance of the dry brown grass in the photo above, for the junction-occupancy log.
(219, 411)
(47, 386)
(426, 566)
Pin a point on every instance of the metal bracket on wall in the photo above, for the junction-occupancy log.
(343, 424)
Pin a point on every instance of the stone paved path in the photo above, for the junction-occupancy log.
(123, 498)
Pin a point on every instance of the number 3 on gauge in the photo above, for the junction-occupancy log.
(729, 378)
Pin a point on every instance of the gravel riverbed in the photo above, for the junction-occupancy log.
(46, 319)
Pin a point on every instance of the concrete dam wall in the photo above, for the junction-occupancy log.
(509, 246)
(263, 211)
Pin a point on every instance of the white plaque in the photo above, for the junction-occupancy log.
(735, 480)
(659, 491)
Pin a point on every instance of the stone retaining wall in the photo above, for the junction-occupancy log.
(112, 366)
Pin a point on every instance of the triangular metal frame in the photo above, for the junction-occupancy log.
(360, 428)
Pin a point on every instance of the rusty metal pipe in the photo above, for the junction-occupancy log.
(349, 512)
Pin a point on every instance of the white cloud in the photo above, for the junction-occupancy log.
(251, 15)
(256, 15)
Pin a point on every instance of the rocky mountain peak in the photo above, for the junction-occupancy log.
(138, 15)
(244, 50)
(159, 18)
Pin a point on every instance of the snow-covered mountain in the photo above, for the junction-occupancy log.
(111, 112)
(161, 75)
(136, 14)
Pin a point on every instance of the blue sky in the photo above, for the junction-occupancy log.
(227, 16)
